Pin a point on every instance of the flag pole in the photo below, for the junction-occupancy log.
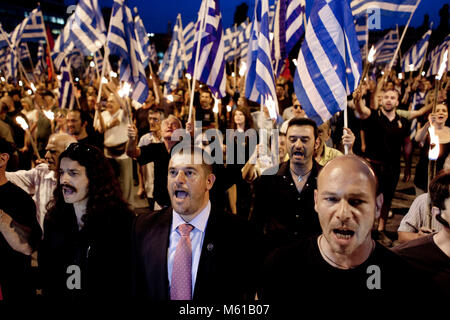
(71, 81)
(426, 50)
(403, 35)
(96, 66)
(234, 50)
(31, 62)
(200, 34)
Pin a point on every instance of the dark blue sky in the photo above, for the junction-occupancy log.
(157, 13)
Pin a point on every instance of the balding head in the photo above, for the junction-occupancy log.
(57, 143)
(347, 205)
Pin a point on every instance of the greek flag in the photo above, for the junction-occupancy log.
(288, 29)
(142, 38)
(398, 7)
(63, 44)
(230, 43)
(416, 54)
(362, 33)
(437, 56)
(66, 97)
(210, 67)
(385, 47)
(88, 28)
(123, 43)
(244, 39)
(260, 82)
(329, 63)
(171, 69)
(31, 29)
(188, 35)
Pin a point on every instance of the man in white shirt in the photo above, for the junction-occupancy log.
(41, 180)
(224, 251)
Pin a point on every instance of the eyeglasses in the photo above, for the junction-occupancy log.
(80, 147)
(153, 119)
(297, 107)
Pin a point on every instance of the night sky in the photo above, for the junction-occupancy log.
(157, 13)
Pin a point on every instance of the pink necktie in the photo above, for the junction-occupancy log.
(181, 285)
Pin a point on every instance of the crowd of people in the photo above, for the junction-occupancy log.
(273, 210)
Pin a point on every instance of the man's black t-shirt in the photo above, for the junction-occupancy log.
(15, 267)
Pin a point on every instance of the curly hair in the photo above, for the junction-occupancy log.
(247, 115)
(104, 193)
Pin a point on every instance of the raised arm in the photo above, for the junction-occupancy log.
(17, 235)
(133, 150)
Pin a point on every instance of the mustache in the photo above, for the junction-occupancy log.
(68, 186)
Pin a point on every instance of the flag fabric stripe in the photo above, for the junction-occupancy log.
(416, 54)
(395, 6)
(210, 68)
(437, 55)
(141, 36)
(385, 47)
(31, 29)
(362, 33)
(329, 62)
(66, 97)
(260, 81)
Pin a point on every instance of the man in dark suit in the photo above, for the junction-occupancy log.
(220, 253)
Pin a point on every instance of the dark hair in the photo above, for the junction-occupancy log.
(440, 189)
(105, 195)
(191, 149)
(248, 118)
(48, 93)
(303, 122)
(84, 116)
(6, 147)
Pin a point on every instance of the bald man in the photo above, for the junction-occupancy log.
(344, 261)
(41, 180)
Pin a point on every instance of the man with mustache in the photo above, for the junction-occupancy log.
(192, 251)
(284, 206)
(41, 180)
(86, 244)
(344, 262)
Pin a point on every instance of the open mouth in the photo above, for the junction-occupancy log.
(181, 194)
(298, 154)
(343, 233)
(68, 190)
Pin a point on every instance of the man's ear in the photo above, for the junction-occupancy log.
(4, 157)
(378, 203)
(315, 199)
(210, 179)
(317, 143)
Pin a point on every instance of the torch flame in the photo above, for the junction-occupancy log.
(216, 105)
(433, 153)
(170, 98)
(33, 87)
(411, 67)
(49, 114)
(242, 68)
(21, 122)
(371, 54)
(271, 107)
(104, 80)
(442, 66)
(125, 90)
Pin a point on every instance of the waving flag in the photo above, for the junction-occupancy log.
(40, 65)
(3, 38)
(123, 43)
(230, 43)
(397, 7)
(31, 29)
(24, 52)
(362, 33)
(329, 63)
(244, 39)
(288, 29)
(210, 67)
(189, 37)
(142, 38)
(88, 28)
(260, 82)
(66, 97)
(171, 68)
(416, 54)
(437, 56)
(385, 47)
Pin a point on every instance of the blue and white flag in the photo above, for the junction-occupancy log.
(63, 44)
(437, 56)
(329, 64)
(398, 7)
(31, 29)
(189, 37)
(142, 38)
(123, 43)
(66, 96)
(244, 39)
(210, 67)
(88, 27)
(385, 48)
(362, 33)
(171, 68)
(260, 81)
(230, 43)
(24, 52)
(288, 29)
(415, 56)
(4, 38)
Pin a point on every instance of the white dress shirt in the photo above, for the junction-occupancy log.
(197, 235)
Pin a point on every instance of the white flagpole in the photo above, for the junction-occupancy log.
(200, 35)
(403, 35)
